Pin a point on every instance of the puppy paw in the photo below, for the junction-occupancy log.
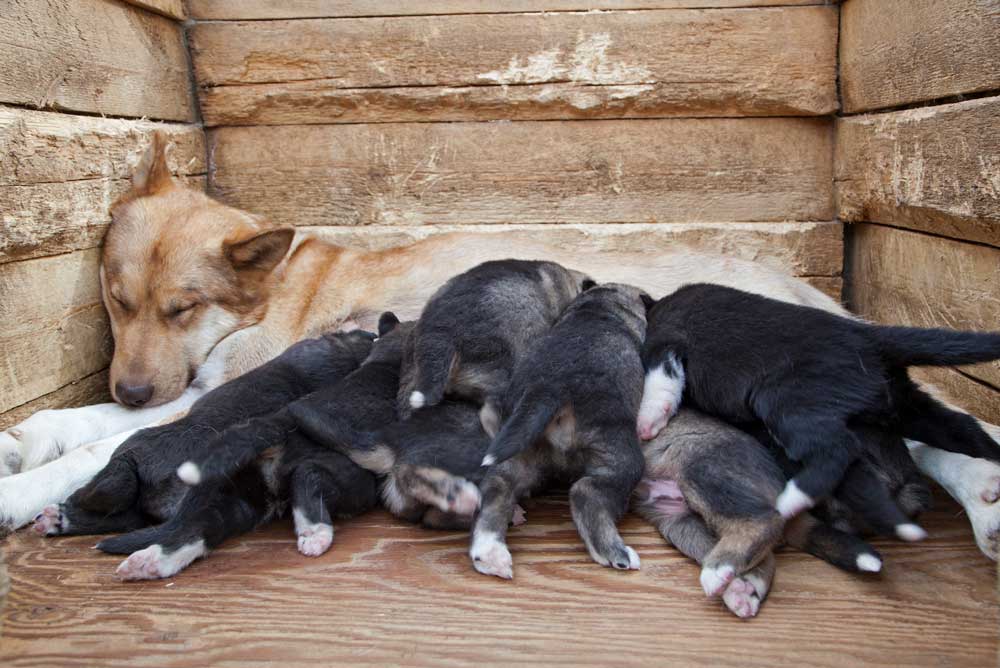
(742, 598)
(519, 517)
(50, 522)
(714, 580)
(153, 562)
(621, 557)
(315, 540)
(491, 557)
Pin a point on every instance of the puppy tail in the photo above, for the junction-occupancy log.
(434, 358)
(843, 550)
(236, 447)
(334, 431)
(127, 543)
(915, 346)
(526, 425)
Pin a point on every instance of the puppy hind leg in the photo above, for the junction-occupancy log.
(826, 450)
(114, 490)
(867, 494)
(843, 550)
(500, 490)
(311, 495)
(437, 487)
(742, 544)
(67, 519)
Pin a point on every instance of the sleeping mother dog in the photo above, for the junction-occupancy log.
(232, 291)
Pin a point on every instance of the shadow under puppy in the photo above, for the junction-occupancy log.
(476, 327)
(140, 485)
(579, 386)
(710, 489)
(811, 378)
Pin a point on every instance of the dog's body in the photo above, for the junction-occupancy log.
(139, 485)
(710, 489)
(579, 386)
(316, 287)
(475, 328)
(812, 378)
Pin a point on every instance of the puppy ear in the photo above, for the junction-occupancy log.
(261, 252)
(152, 174)
(387, 322)
(647, 301)
(587, 284)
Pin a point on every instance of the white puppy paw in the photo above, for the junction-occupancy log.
(715, 580)
(316, 540)
(50, 522)
(490, 556)
(10, 452)
(153, 563)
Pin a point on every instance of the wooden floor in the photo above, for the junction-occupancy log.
(392, 594)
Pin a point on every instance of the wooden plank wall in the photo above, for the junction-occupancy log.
(646, 124)
(82, 84)
(918, 171)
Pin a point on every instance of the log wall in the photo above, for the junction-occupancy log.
(82, 84)
(918, 171)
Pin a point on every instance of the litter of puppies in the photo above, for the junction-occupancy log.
(732, 421)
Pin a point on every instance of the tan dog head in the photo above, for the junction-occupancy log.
(179, 273)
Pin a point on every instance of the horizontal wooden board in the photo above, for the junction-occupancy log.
(55, 327)
(92, 389)
(896, 52)
(300, 9)
(170, 8)
(960, 390)
(681, 170)
(908, 278)
(397, 595)
(63, 172)
(935, 169)
(519, 66)
(94, 56)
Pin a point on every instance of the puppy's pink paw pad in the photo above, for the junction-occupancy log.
(49, 522)
(741, 598)
(519, 517)
(314, 542)
(991, 490)
(141, 565)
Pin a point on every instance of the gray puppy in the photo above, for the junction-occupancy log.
(580, 385)
(710, 490)
(476, 327)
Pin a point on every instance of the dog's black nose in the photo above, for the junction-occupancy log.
(133, 395)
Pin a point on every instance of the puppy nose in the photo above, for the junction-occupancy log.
(133, 395)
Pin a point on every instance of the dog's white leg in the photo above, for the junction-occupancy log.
(49, 434)
(975, 483)
(24, 495)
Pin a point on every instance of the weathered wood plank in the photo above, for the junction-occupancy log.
(801, 249)
(170, 8)
(55, 327)
(488, 67)
(682, 170)
(935, 169)
(94, 56)
(978, 399)
(301, 9)
(92, 389)
(414, 600)
(907, 278)
(895, 52)
(62, 172)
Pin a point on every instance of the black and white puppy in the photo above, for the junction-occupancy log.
(710, 489)
(478, 324)
(580, 386)
(139, 486)
(810, 377)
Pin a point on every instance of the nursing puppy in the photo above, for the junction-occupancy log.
(478, 324)
(710, 490)
(811, 377)
(139, 485)
(580, 385)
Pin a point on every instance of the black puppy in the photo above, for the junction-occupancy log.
(580, 385)
(139, 485)
(478, 324)
(810, 377)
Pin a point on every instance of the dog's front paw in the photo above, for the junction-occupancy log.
(10, 452)
(51, 521)
(982, 504)
(39, 439)
(490, 556)
(315, 540)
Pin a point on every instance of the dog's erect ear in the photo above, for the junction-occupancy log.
(152, 174)
(387, 322)
(647, 301)
(261, 252)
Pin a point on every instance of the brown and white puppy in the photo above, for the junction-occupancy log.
(175, 343)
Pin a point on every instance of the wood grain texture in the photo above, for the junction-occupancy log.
(907, 278)
(896, 52)
(300, 9)
(935, 169)
(652, 171)
(62, 173)
(524, 66)
(391, 594)
(94, 56)
(173, 9)
(56, 329)
(981, 400)
(92, 389)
